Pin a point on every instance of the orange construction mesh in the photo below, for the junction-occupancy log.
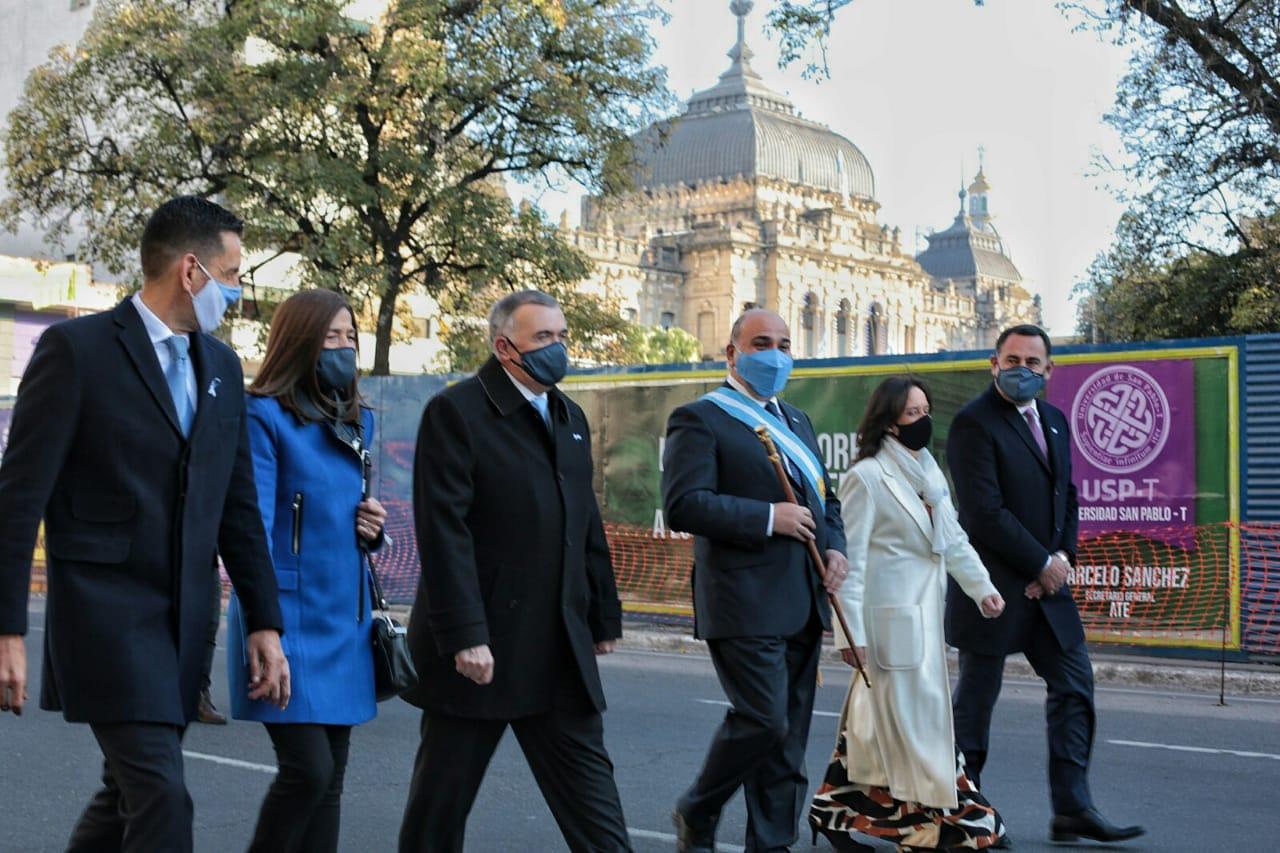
(1172, 590)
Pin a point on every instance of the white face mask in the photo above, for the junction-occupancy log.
(212, 301)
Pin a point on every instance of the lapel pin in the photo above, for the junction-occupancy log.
(1053, 430)
(213, 386)
(577, 437)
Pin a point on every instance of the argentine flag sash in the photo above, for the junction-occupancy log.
(743, 409)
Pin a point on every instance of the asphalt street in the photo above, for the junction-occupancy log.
(1199, 776)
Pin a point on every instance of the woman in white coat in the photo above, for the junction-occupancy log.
(895, 773)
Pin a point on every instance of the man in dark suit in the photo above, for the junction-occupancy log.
(128, 438)
(1010, 459)
(757, 602)
(517, 594)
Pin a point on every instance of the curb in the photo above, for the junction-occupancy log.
(1111, 670)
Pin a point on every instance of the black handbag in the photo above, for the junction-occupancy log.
(393, 669)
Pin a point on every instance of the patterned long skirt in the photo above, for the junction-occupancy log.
(872, 810)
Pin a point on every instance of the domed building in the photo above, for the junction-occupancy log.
(740, 202)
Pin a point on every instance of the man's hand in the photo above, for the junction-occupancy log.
(370, 517)
(837, 570)
(13, 673)
(1054, 575)
(606, 647)
(992, 606)
(475, 663)
(793, 520)
(855, 657)
(268, 669)
(1034, 590)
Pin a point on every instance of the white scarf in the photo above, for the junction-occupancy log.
(926, 478)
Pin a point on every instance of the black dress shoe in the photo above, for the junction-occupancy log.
(1089, 824)
(207, 713)
(840, 840)
(690, 839)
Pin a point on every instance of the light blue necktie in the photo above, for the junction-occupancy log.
(176, 377)
(540, 403)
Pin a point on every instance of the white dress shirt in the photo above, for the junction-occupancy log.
(158, 332)
(529, 395)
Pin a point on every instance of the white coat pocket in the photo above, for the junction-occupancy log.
(897, 635)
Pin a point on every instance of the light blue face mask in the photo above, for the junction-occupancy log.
(766, 371)
(212, 302)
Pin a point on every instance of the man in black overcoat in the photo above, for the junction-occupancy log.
(517, 595)
(128, 439)
(1009, 454)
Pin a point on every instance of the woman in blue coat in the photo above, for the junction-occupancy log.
(307, 431)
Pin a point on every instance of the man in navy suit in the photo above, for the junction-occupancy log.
(757, 602)
(129, 440)
(1010, 459)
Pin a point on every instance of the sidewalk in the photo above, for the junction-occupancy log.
(1242, 679)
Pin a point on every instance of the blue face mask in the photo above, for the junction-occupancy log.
(1020, 384)
(766, 371)
(212, 302)
(545, 365)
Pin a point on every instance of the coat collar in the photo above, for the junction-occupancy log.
(137, 343)
(506, 398)
(911, 502)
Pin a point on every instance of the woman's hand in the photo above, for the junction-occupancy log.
(370, 516)
(992, 606)
(855, 657)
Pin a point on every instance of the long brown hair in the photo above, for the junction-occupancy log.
(883, 410)
(298, 330)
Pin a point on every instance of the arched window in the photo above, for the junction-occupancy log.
(842, 329)
(874, 336)
(668, 319)
(809, 323)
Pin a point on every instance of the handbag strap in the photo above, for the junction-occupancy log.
(375, 586)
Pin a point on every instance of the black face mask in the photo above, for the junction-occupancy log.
(916, 435)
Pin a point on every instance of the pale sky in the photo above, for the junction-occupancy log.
(918, 85)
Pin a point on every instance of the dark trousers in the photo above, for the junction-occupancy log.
(143, 806)
(302, 809)
(211, 639)
(1068, 710)
(566, 753)
(760, 746)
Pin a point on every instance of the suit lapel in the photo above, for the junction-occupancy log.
(910, 501)
(1019, 425)
(205, 375)
(1054, 438)
(133, 336)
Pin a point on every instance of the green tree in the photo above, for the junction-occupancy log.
(375, 151)
(655, 345)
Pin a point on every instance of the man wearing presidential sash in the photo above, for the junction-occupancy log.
(758, 602)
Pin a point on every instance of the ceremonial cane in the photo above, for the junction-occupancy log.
(762, 433)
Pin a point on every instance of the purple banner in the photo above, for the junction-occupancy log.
(1133, 449)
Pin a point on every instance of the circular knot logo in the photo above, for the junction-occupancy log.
(1120, 418)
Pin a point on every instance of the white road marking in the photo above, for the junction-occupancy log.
(1204, 749)
(666, 836)
(730, 705)
(229, 762)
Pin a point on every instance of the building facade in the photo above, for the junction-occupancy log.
(740, 202)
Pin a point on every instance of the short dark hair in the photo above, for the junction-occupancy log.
(884, 408)
(1027, 330)
(185, 224)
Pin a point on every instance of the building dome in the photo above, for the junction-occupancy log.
(742, 127)
(971, 247)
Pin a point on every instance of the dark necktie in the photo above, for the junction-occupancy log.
(792, 474)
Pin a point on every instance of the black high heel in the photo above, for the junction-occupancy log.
(840, 841)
